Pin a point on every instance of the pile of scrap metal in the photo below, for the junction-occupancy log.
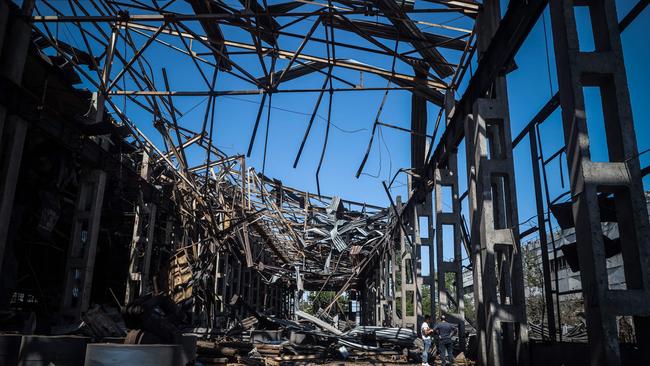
(211, 204)
(290, 238)
(275, 341)
(153, 319)
(216, 208)
(315, 233)
(293, 239)
(570, 333)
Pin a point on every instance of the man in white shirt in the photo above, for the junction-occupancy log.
(426, 338)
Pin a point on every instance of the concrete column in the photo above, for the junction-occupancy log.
(620, 176)
(496, 253)
(10, 160)
(382, 300)
(140, 252)
(452, 303)
(141, 242)
(83, 246)
(14, 35)
(423, 209)
(411, 275)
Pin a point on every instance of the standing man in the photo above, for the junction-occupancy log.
(426, 338)
(445, 331)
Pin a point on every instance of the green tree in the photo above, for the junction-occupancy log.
(534, 283)
(426, 299)
(321, 300)
(470, 309)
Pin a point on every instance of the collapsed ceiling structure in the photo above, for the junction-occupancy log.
(222, 203)
(92, 123)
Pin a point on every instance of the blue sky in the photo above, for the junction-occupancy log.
(353, 113)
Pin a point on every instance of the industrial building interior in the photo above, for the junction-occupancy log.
(182, 182)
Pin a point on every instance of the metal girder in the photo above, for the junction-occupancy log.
(418, 126)
(467, 7)
(406, 26)
(284, 7)
(543, 241)
(431, 95)
(514, 27)
(389, 32)
(397, 78)
(294, 72)
(212, 29)
(636, 10)
(265, 22)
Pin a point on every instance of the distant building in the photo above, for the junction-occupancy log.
(568, 280)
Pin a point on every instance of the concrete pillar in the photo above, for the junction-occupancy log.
(382, 289)
(621, 176)
(448, 214)
(410, 273)
(497, 264)
(423, 209)
(83, 246)
(140, 252)
(14, 35)
(15, 130)
(394, 273)
(142, 239)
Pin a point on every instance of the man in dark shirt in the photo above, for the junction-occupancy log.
(445, 331)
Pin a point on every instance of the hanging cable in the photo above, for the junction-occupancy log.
(381, 107)
(390, 157)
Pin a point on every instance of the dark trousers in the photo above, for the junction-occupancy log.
(446, 351)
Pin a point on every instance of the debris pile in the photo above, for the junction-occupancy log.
(297, 342)
(210, 247)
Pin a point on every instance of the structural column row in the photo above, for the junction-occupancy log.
(619, 177)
